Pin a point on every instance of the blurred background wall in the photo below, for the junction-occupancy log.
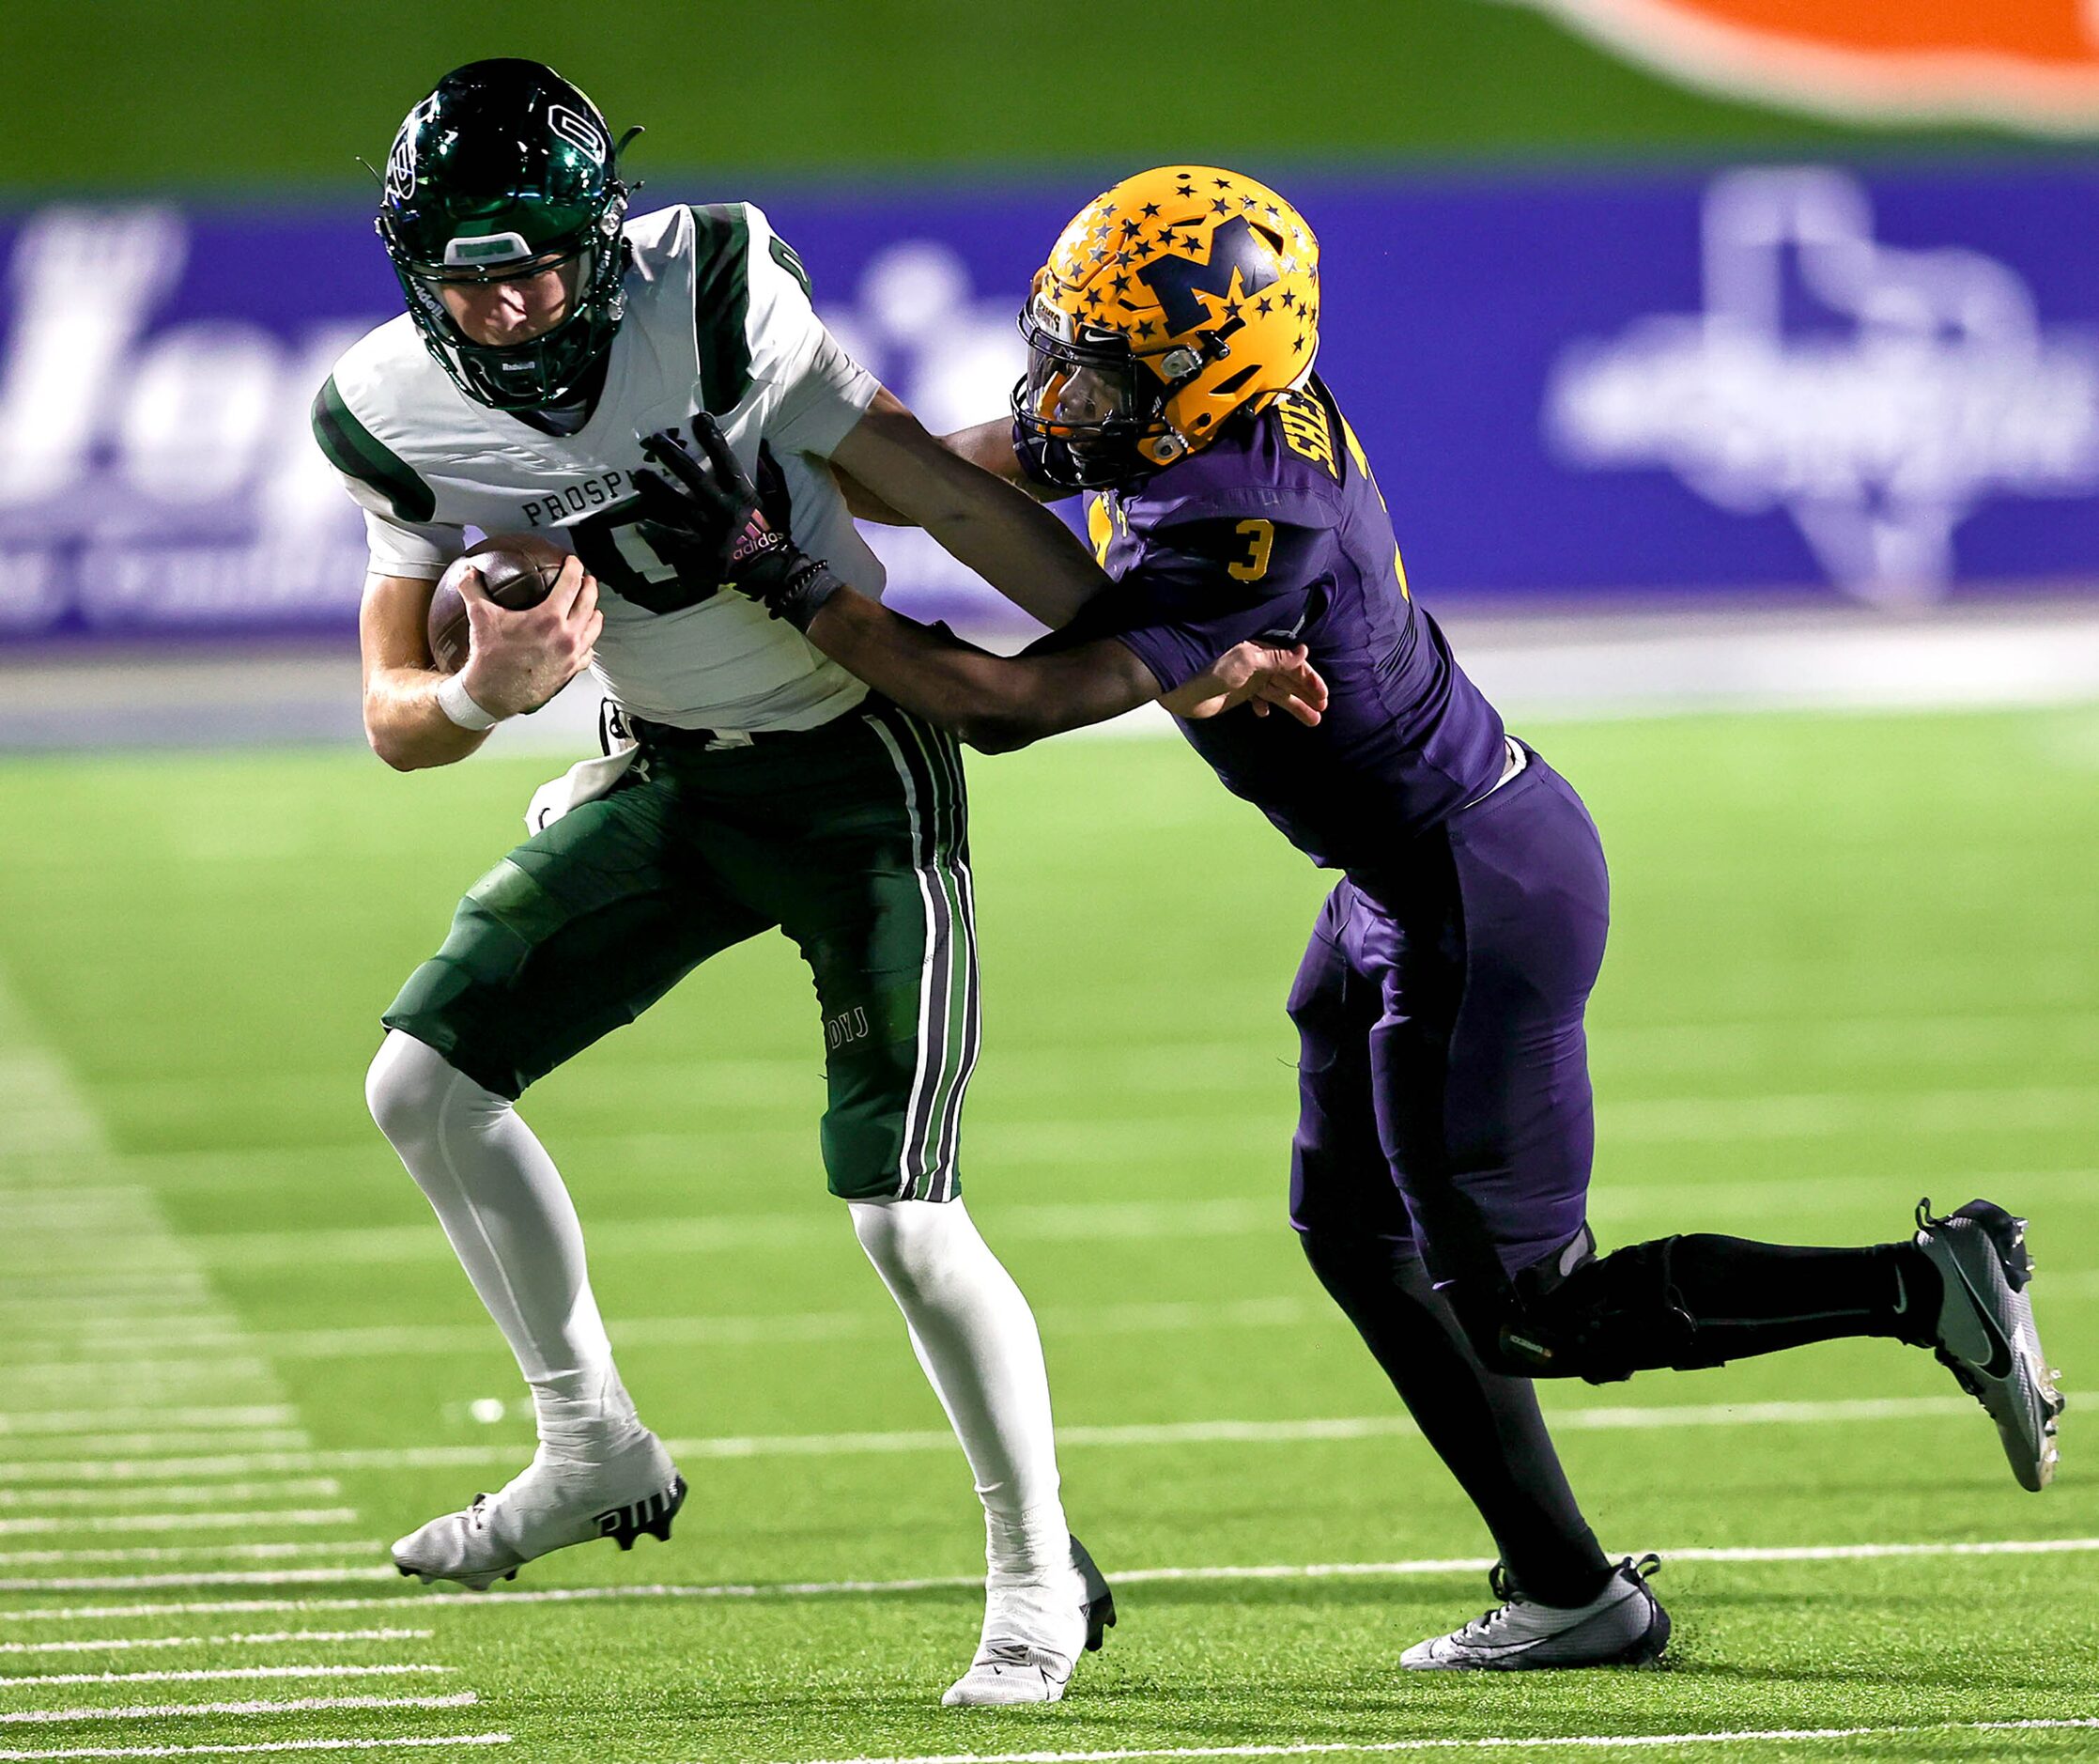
(1648, 304)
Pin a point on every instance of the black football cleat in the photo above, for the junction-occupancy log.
(1985, 1335)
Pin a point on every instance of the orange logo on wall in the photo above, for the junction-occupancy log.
(2027, 63)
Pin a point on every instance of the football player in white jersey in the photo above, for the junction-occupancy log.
(546, 334)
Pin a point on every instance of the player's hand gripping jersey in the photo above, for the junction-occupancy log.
(1277, 530)
(717, 318)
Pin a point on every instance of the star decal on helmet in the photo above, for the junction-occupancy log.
(1139, 372)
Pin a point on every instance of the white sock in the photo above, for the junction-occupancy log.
(975, 1337)
(513, 1226)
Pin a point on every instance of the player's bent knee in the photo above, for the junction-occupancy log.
(403, 1087)
(915, 1244)
(1610, 1317)
(408, 1086)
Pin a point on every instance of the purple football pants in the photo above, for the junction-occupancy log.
(1444, 1083)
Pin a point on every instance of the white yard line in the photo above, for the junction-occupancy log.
(122, 1288)
(94, 1312)
(139, 1283)
(1396, 1424)
(268, 1638)
(69, 1524)
(213, 1331)
(404, 1742)
(292, 1705)
(272, 1415)
(142, 1377)
(213, 1675)
(260, 1439)
(1583, 1742)
(1739, 1554)
(1669, 1120)
(260, 1552)
(141, 1582)
(736, 1330)
(178, 1494)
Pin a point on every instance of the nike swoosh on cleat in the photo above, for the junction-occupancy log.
(2000, 1364)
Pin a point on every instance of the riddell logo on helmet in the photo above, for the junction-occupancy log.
(2032, 65)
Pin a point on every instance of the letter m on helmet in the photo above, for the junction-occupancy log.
(1176, 281)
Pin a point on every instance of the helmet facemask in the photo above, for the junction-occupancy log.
(552, 368)
(1089, 411)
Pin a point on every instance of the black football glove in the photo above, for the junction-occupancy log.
(713, 503)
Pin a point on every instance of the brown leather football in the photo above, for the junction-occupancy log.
(518, 570)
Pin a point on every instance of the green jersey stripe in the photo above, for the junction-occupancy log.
(790, 260)
(355, 451)
(721, 303)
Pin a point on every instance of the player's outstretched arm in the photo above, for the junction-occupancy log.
(516, 661)
(994, 703)
(986, 444)
(1000, 702)
(981, 520)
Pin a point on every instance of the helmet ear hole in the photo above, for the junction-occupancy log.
(1232, 382)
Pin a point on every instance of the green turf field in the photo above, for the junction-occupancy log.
(259, 101)
(1856, 960)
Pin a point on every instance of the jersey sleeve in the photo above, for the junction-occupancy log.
(1203, 586)
(402, 537)
(821, 391)
(399, 548)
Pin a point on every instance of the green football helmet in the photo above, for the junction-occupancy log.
(505, 171)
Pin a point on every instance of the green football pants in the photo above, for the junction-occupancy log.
(852, 838)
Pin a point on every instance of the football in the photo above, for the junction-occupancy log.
(518, 570)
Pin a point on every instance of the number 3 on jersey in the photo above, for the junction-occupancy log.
(1261, 538)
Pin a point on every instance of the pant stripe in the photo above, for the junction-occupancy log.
(970, 1030)
(946, 1041)
(927, 894)
(945, 756)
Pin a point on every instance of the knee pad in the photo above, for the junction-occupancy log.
(1604, 1318)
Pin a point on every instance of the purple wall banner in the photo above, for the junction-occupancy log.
(1881, 385)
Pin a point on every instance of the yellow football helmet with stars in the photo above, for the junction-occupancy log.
(1181, 296)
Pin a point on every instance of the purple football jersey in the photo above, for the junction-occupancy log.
(1277, 530)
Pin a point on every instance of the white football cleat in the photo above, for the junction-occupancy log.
(1033, 1635)
(1623, 1625)
(550, 1504)
(1985, 1332)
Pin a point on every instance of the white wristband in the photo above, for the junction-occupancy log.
(457, 703)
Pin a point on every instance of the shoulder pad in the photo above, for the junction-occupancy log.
(354, 451)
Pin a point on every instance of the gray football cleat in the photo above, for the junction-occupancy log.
(1033, 1635)
(1623, 1625)
(1985, 1332)
(549, 1506)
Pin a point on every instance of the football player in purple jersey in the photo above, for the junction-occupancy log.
(1440, 1171)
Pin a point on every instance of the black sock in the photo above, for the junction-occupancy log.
(1484, 1427)
(1747, 1297)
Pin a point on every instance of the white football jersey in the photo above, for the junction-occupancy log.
(718, 319)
